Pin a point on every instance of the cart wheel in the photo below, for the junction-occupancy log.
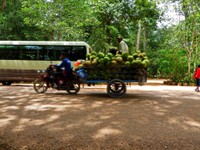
(116, 88)
(141, 80)
(73, 87)
(40, 86)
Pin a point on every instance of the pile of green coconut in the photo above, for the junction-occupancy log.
(100, 66)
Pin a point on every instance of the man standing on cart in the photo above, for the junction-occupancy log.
(123, 47)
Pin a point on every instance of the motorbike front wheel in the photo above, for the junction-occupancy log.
(40, 86)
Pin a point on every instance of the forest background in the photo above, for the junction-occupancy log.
(172, 47)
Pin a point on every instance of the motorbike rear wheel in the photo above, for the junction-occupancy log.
(73, 87)
(40, 86)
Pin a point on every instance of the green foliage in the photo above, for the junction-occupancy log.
(59, 20)
(11, 22)
(97, 22)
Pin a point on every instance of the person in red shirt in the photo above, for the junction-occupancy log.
(197, 78)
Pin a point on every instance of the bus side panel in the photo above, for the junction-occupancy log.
(15, 75)
(21, 70)
(26, 64)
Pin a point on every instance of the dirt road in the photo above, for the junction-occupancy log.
(147, 117)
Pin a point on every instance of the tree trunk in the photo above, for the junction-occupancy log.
(195, 57)
(52, 35)
(144, 39)
(189, 63)
(196, 35)
(138, 35)
(3, 5)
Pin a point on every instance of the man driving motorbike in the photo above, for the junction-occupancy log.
(66, 64)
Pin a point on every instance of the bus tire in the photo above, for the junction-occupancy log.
(40, 86)
(6, 82)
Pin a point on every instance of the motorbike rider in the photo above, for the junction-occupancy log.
(66, 64)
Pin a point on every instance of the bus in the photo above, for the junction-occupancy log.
(21, 60)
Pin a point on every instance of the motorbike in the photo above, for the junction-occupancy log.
(48, 80)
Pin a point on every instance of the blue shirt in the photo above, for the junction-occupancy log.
(66, 63)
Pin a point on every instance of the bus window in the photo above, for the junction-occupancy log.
(55, 51)
(31, 52)
(4, 53)
(9, 52)
(78, 52)
(38, 52)
(72, 52)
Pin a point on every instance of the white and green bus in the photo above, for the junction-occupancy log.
(21, 60)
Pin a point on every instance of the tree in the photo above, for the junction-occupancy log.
(146, 14)
(11, 21)
(190, 35)
(106, 30)
(178, 44)
(59, 20)
(3, 5)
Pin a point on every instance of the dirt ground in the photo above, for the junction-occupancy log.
(149, 117)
